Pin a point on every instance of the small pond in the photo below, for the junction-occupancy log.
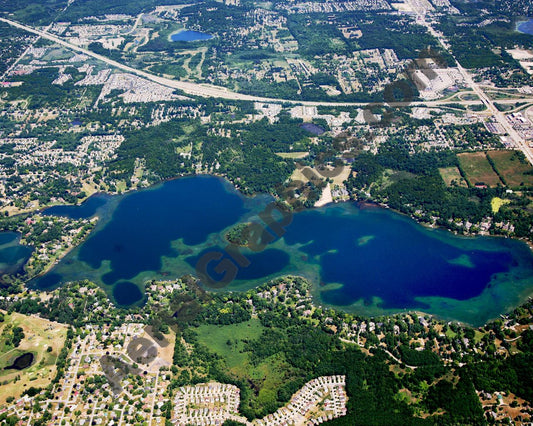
(187, 35)
(21, 362)
(525, 27)
(312, 128)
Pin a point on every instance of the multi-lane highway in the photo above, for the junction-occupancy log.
(517, 140)
(207, 90)
(204, 90)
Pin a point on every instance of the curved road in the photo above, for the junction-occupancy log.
(518, 140)
(207, 90)
(190, 88)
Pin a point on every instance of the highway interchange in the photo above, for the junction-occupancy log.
(212, 91)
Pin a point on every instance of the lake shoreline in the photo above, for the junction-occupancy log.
(361, 203)
(59, 258)
(289, 258)
(518, 24)
(42, 209)
(26, 272)
(169, 37)
(379, 205)
(202, 36)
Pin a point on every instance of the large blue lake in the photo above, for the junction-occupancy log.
(525, 27)
(367, 260)
(188, 35)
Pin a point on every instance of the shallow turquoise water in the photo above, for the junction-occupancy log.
(364, 260)
(12, 255)
(526, 27)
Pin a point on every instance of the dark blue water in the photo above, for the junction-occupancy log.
(366, 260)
(141, 230)
(145, 223)
(7, 238)
(86, 210)
(126, 293)
(312, 128)
(187, 35)
(526, 27)
(49, 281)
(262, 264)
(13, 256)
(374, 255)
(21, 362)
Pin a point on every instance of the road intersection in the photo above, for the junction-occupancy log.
(212, 91)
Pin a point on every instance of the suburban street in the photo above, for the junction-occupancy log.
(211, 91)
(517, 140)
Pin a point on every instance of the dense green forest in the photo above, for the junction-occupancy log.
(271, 352)
(157, 147)
(44, 12)
(414, 186)
(299, 351)
(32, 11)
(37, 87)
(479, 35)
(480, 47)
(248, 160)
(507, 8)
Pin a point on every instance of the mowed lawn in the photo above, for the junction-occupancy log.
(39, 335)
(293, 155)
(477, 169)
(514, 168)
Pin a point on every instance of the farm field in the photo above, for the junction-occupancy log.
(513, 167)
(39, 335)
(452, 174)
(478, 170)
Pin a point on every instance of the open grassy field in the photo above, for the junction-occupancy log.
(469, 96)
(229, 341)
(307, 173)
(216, 338)
(390, 177)
(297, 154)
(39, 335)
(341, 177)
(511, 165)
(165, 350)
(478, 169)
(497, 203)
(452, 174)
